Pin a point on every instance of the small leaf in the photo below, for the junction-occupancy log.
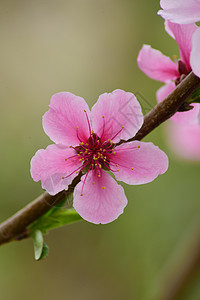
(68, 200)
(37, 243)
(45, 251)
(58, 218)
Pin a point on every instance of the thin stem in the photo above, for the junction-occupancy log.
(16, 226)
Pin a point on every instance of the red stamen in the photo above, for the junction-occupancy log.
(78, 135)
(88, 122)
(103, 126)
(132, 148)
(117, 133)
(85, 180)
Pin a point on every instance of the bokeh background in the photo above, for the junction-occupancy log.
(87, 47)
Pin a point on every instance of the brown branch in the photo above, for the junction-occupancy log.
(16, 226)
(168, 107)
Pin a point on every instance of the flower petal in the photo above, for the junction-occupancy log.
(65, 114)
(180, 11)
(156, 65)
(50, 166)
(183, 36)
(165, 90)
(195, 54)
(187, 117)
(138, 162)
(103, 199)
(184, 140)
(116, 116)
(198, 118)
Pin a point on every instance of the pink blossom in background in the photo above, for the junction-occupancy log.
(184, 140)
(195, 54)
(85, 141)
(160, 67)
(180, 11)
(184, 136)
(184, 132)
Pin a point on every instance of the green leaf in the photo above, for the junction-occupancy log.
(68, 200)
(55, 208)
(45, 251)
(56, 217)
(37, 243)
(59, 217)
(41, 249)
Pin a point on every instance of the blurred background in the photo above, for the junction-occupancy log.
(87, 47)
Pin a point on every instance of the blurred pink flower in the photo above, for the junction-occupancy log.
(184, 140)
(195, 54)
(180, 11)
(85, 141)
(160, 67)
(184, 133)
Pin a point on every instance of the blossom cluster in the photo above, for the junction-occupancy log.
(180, 16)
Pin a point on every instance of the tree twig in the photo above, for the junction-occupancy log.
(16, 226)
(168, 107)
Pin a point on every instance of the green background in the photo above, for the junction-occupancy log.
(87, 47)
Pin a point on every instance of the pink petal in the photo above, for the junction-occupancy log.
(180, 11)
(99, 205)
(198, 118)
(165, 90)
(65, 114)
(186, 117)
(116, 116)
(138, 162)
(195, 54)
(184, 140)
(183, 36)
(50, 166)
(156, 65)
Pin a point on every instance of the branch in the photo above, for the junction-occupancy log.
(16, 226)
(168, 107)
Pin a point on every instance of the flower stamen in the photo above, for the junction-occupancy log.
(118, 132)
(90, 130)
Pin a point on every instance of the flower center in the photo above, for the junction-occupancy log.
(94, 154)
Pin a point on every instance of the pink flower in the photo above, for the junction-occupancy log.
(160, 67)
(184, 140)
(180, 11)
(184, 134)
(195, 54)
(85, 141)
